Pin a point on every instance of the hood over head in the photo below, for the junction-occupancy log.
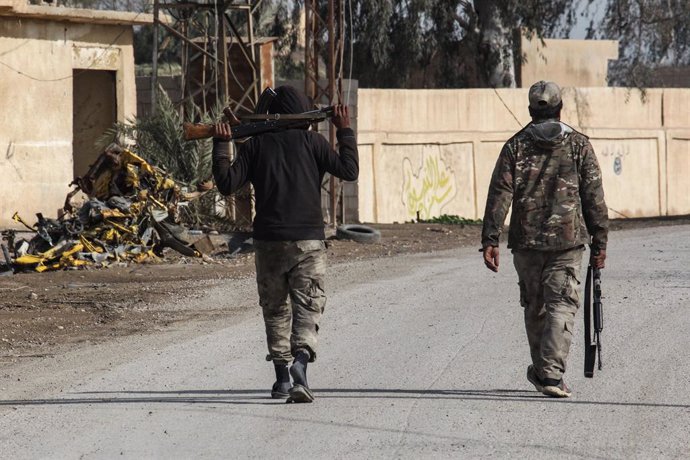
(289, 100)
(548, 134)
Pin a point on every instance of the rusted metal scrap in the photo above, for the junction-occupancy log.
(130, 216)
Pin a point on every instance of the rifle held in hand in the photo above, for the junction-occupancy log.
(593, 317)
(193, 131)
(251, 125)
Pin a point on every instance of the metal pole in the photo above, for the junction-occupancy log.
(341, 48)
(331, 101)
(225, 22)
(204, 63)
(308, 85)
(184, 61)
(154, 60)
(250, 37)
(224, 44)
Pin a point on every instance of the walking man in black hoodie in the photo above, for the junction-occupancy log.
(550, 175)
(286, 169)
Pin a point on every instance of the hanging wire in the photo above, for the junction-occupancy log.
(232, 71)
(234, 77)
(506, 106)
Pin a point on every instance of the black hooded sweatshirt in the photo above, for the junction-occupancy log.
(286, 169)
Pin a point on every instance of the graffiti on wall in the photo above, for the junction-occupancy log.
(617, 154)
(430, 188)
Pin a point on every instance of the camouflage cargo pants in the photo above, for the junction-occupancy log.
(549, 295)
(290, 280)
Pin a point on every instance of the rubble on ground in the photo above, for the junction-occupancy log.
(130, 215)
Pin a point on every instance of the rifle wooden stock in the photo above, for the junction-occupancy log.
(193, 131)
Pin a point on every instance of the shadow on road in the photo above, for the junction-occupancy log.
(239, 397)
(480, 395)
(261, 397)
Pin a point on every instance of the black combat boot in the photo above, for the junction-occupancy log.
(300, 392)
(282, 386)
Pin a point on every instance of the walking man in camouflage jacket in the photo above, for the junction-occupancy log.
(549, 172)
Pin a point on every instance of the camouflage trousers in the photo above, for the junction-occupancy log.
(549, 295)
(290, 280)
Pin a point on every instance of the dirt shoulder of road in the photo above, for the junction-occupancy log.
(44, 313)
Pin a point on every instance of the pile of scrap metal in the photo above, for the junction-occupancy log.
(130, 216)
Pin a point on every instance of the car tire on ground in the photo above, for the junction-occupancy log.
(358, 233)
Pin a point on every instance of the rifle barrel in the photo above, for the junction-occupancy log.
(314, 115)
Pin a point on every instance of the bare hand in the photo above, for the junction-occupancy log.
(597, 260)
(341, 116)
(223, 131)
(491, 258)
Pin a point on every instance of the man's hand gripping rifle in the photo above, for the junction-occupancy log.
(593, 317)
(259, 122)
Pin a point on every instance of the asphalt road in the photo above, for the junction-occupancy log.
(421, 357)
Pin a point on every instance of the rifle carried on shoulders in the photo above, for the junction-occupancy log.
(259, 122)
(594, 319)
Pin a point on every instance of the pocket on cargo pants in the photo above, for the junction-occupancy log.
(561, 300)
(308, 296)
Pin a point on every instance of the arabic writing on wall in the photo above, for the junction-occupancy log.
(429, 189)
(617, 153)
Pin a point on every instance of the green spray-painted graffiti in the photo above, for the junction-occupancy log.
(430, 189)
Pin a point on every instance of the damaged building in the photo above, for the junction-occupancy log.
(69, 76)
(66, 75)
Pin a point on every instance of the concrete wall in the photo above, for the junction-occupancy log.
(38, 59)
(577, 63)
(433, 151)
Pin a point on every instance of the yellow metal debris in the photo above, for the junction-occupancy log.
(128, 217)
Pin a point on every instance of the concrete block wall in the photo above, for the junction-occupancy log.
(170, 84)
(433, 151)
(569, 62)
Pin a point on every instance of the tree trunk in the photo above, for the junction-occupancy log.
(496, 45)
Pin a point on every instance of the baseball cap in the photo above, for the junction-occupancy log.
(544, 95)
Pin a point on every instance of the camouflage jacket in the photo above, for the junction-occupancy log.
(549, 172)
